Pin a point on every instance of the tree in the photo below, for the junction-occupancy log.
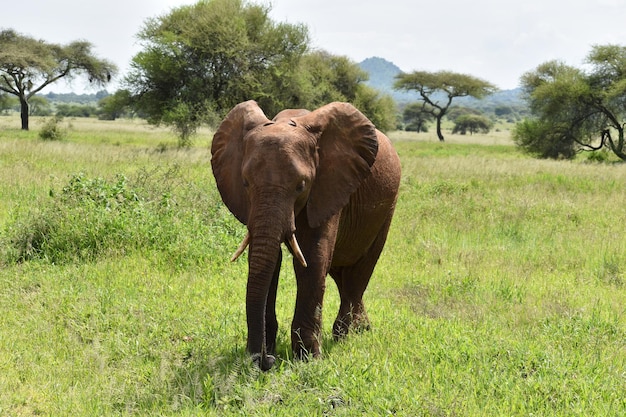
(472, 123)
(39, 106)
(575, 109)
(381, 109)
(539, 138)
(28, 65)
(325, 78)
(504, 111)
(203, 59)
(417, 116)
(115, 105)
(7, 103)
(329, 78)
(457, 111)
(448, 85)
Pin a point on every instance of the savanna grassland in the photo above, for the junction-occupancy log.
(501, 291)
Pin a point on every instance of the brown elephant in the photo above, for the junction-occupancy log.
(324, 183)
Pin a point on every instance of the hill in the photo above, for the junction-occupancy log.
(382, 74)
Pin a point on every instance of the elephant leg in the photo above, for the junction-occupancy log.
(307, 322)
(317, 246)
(271, 323)
(352, 282)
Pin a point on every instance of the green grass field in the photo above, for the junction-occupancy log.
(501, 291)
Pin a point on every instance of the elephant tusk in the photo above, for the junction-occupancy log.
(293, 242)
(242, 247)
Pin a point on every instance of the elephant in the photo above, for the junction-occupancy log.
(324, 183)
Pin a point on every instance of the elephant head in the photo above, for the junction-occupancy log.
(269, 172)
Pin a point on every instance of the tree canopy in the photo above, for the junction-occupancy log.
(438, 89)
(28, 65)
(576, 109)
(201, 59)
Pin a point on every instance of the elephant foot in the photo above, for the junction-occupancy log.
(340, 329)
(361, 325)
(357, 323)
(305, 350)
(306, 354)
(264, 362)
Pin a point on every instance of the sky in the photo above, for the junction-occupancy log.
(496, 40)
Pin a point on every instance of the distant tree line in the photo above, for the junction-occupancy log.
(74, 98)
(68, 105)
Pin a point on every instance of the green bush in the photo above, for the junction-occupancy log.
(472, 123)
(90, 218)
(544, 140)
(53, 129)
(600, 156)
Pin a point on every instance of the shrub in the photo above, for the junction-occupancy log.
(472, 123)
(89, 218)
(53, 130)
(600, 156)
(544, 140)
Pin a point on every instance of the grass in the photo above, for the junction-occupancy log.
(501, 290)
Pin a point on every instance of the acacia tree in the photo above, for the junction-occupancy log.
(438, 89)
(203, 59)
(28, 65)
(574, 109)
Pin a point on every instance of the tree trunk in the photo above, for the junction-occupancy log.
(24, 112)
(617, 148)
(619, 151)
(439, 134)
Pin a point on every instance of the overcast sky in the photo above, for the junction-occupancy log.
(497, 40)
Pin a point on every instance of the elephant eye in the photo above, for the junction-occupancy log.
(245, 183)
(301, 186)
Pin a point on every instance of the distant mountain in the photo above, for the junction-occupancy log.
(382, 75)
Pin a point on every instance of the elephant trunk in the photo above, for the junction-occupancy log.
(265, 235)
(262, 259)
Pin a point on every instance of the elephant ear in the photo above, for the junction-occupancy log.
(227, 155)
(347, 148)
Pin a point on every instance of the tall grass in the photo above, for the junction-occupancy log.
(500, 292)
